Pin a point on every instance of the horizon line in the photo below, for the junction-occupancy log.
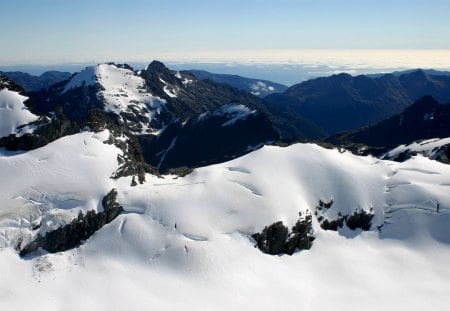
(278, 56)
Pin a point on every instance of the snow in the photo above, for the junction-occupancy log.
(234, 110)
(170, 92)
(183, 242)
(259, 87)
(184, 80)
(124, 88)
(13, 113)
(428, 148)
(51, 184)
(86, 77)
(428, 116)
(164, 152)
(123, 91)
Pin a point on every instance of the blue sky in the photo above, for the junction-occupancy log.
(52, 31)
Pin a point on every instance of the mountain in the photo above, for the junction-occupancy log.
(342, 102)
(36, 83)
(425, 119)
(260, 88)
(172, 118)
(82, 207)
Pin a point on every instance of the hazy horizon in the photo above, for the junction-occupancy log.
(285, 41)
(286, 67)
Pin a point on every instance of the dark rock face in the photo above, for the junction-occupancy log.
(132, 162)
(342, 102)
(204, 139)
(405, 155)
(360, 219)
(78, 231)
(422, 120)
(273, 239)
(75, 103)
(6, 83)
(443, 154)
(47, 130)
(301, 236)
(276, 239)
(198, 96)
(194, 134)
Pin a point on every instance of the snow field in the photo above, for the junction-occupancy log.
(183, 242)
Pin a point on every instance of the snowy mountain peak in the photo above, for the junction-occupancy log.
(125, 93)
(122, 92)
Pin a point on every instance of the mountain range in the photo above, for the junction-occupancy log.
(175, 119)
(154, 189)
(425, 119)
(36, 83)
(343, 102)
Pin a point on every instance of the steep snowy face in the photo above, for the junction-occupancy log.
(123, 93)
(13, 113)
(86, 77)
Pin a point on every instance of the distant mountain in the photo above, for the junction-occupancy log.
(429, 72)
(36, 83)
(258, 87)
(343, 102)
(425, 119)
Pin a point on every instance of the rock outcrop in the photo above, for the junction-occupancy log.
(276, 238)
(78, 231)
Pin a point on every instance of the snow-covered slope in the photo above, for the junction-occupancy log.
(184, 242)
(47, 187)
(13, 112)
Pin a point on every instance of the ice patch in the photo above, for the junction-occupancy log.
(170, 92)
(235, 111)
